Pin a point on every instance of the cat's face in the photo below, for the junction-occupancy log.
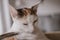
(26, 16)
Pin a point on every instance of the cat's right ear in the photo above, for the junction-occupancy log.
(13, 11)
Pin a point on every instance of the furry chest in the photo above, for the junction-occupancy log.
(27, 36)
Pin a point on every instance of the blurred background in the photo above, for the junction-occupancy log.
(48, 12)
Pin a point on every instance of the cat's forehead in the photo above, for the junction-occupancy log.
(26, 11)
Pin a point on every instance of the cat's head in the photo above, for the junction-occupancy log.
(24, 15)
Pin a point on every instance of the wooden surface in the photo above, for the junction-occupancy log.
(8, 35)
(53, 35)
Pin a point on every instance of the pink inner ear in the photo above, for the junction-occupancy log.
(13, 11)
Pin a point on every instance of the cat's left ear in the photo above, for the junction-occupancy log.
(34, 8)
(13, 11)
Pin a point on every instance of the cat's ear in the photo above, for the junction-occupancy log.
(34, 8)
(13, 11)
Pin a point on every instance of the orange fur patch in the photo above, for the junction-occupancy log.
(27, 11)
(9, 38)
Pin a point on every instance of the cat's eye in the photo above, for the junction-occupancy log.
(25, 24)
(35, 21)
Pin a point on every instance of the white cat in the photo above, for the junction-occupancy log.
(25, 23)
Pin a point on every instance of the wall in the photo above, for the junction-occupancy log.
(5, 20)
(46, 11)
(49, 7)
(45, 8)
(1, 28)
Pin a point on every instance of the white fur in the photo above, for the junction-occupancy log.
(28, 32)
(25, 31)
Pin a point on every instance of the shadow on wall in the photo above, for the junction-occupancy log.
(50, 23)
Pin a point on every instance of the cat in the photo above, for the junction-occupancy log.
(25, 22)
